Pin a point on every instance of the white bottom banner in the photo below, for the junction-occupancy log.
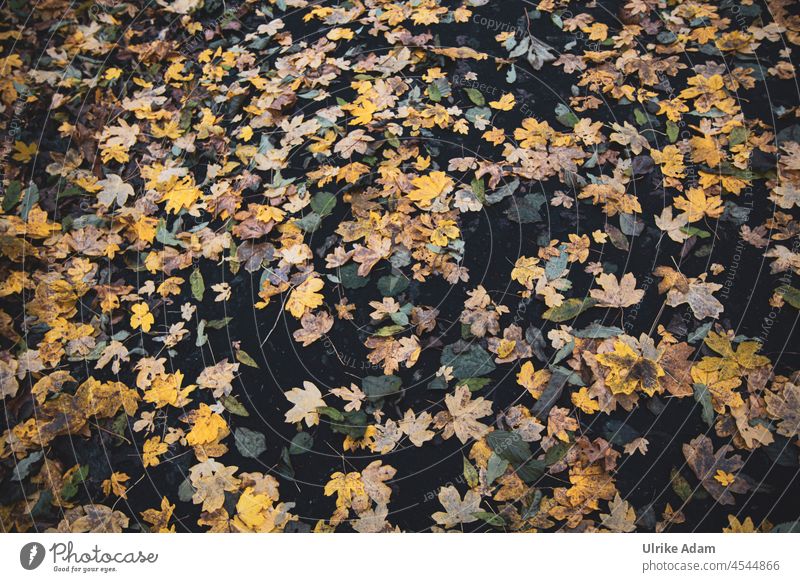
(123, 557)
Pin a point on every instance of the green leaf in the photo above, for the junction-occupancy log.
(353, 423)
(198, 285)
(243, 357)
(790, 294)
(569, 309)
(331, 413)
(492, 519)
(526, 209)
(389, 330)
(680, 485)
(694, 231)
(350, 278)
(787, 527)
(23, 468)
(470, 474)
(12, 195)
(508, 446)
(703, 396)
(557, 452)
(323, 203)
(737, 136)
(469, 362)
(233, 406)
(434, 92)
(219, 323)
(475, 96)
(495, 468)
(249, 443)
(310, 222)
(475, 384)
(565, 116)
(479, 189)
(672, 131)
(377, 387)
(70, 488)
(301, 443)
(392, 285)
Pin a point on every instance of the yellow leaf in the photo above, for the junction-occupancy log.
(306, 400)
(116, 484)
(426, 188)
(24, 152)
(151, 450)
(142, 317)
(724, 478)
(505, 103)
(346, 488)
(305, 297)
(582, 400)
(208, 427)
(696, 205)
(533, 381)
(705, 150)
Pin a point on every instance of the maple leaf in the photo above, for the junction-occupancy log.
(354, 396)
(698, 294)
(114, 191)
(525, 271)
(584, 401)
(461, 417)
(629, 370)
(115, 350)
(534, 381)
(314, 326)
(638, 444)
(426, 188)
(218, 378)
(305, 297)
(617, 294)
(786, 408)
(94, 518)
(24, 152)
(627, 135)
(696, 205)
(208, 426)
(621, 517)
(159, 518)
(590, 483)
(256, 512)
(731, 363)
(672, 226)
(456, 509)
(180, 193)
(151, 450)
(505, 103)
(116, 484)
(721, 389)
(416, 427)
(374, 477)
(676, 365)
(705, 463)
(706, 151)
(347, 488)
(746, 526)
(306, 400)
(560, 423)
(355, 142)
(142, 317)
(211, 479)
